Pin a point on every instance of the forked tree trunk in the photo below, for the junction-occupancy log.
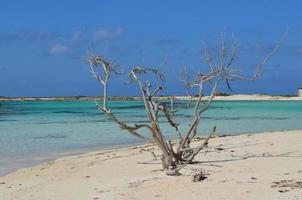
(105, 97)
(167, 162)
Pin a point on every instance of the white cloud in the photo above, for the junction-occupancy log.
(105, 33)
(58, 48)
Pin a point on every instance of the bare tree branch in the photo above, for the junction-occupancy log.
(175, 155)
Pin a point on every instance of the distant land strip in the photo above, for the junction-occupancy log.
(238, 97)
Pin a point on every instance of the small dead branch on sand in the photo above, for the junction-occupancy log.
(287, 185)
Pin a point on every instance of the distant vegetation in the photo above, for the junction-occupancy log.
(79, 97)
(222, 94)
(288, 95)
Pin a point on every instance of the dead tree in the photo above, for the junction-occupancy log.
(177, 155)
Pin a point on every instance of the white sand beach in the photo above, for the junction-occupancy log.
(253, 97)
(250, 166)
(235, 97)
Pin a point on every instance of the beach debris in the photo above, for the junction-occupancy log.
(103, 191)
(284, 190)
(200, 175)
(287, 185)
(219, 148)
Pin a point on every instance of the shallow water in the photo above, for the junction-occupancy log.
(43, 129)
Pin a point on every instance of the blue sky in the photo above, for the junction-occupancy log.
(43, 43)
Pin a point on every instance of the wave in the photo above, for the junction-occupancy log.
(244, 118)
(8, 120)
(75, 122)
(67, 111)
(50, 136)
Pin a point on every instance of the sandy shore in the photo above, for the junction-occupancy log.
(257, 97)
(259, 166)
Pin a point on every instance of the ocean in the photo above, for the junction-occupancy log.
(36, 131)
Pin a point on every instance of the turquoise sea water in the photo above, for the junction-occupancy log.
(33, 131)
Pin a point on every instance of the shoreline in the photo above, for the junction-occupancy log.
(25, 162)
(250, 164)
(237, 97)
(38, 159)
